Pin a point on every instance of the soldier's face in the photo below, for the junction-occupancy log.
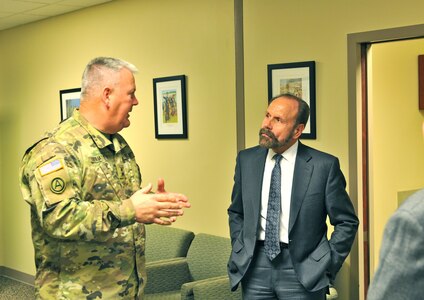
(122, 100)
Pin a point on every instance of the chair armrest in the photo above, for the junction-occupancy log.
(164, 261)
(210, 288)
(216, 288)
(333, 293)
(166, 275)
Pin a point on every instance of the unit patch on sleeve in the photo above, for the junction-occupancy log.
(54, 181)
(57, 185)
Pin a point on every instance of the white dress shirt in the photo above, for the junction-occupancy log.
(287, 170)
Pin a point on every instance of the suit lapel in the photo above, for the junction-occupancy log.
(256, 170)
(301, 179)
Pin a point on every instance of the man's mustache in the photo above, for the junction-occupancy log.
(268, 133)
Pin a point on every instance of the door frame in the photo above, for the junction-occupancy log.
(357, 44)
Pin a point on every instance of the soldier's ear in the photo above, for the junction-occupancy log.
(105, 97)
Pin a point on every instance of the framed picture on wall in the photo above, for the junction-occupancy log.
(69, 101)
(296, 78)
(170, 107)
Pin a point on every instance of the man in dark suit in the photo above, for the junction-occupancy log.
(279, 209)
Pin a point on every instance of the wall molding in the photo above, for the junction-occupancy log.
(17, 275)
(239, 61)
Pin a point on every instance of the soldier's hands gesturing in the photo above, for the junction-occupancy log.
(161, 207)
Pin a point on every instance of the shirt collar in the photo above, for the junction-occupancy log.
(289, 154)
(98, 137)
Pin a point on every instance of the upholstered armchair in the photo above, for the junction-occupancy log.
(166, 242)
(201, 275)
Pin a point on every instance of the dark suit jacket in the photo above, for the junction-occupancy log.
(318, 191)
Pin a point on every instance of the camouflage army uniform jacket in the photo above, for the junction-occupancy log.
(87, 244)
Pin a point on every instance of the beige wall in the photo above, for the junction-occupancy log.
(1, 188)
(395, 134)
(195, 38)
(2, 145)
(162, 38)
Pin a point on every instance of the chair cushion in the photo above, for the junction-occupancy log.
(175, 295)
(208, 256)
(165, 242)
(166, 275)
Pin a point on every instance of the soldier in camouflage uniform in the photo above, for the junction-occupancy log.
(83, 185)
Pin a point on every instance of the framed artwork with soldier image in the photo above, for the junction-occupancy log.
(170, 107)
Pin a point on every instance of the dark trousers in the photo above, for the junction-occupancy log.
(266, 280)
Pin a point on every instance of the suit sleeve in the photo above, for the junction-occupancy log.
(235, 211)
(342, 216)
(400, 274)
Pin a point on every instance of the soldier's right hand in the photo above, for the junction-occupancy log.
(161, 208)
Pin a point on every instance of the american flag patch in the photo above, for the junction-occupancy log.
(51, 167)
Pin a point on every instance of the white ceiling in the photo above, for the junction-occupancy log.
(18, 12)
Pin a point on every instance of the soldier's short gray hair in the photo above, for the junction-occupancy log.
(95, 71)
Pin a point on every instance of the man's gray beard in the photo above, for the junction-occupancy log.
(273, 143)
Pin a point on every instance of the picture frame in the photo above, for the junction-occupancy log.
(170, 107)
(297, 78)
(69, 101)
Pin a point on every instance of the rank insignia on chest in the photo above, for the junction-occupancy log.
(95, 159)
